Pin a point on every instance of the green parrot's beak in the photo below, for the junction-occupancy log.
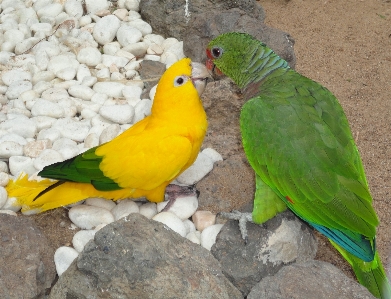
(199, 76)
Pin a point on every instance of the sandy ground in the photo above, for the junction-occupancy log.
(346, 46)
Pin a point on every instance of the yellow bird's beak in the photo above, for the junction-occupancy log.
(199, 76)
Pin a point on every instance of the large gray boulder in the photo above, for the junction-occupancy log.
(311, 279)
(140, 258)
(26, 259)
(280, 241)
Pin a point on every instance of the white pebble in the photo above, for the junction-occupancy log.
(11, 76)
(89, 56)
(213, 154)
(10, 148)
(142, 26)
(100, 202)
(50, 10)
(195, 237)
(148, 209)
(154, 39)
(55, 94)
(50, 133)
(89, 81)
(67, 73)
(13, 137)
(47, 157)
(203, 219)
(60, 62)
(152, 92)
(47, 108)
(82, 72)
(63, 258)
(73, 8)
(120, 13)
(8, 212)
(184, 207)
(190, 227)
(127, 35)
(18, 164)
(71, 129)
(137, 49)
(132, 5)
(111, 89)
(201, 167)
(109, 60)
(209, 234)
(12, 204)
(172, 221)
(43, 122)
(131, 92)
(81, 238)
(21, 126)
(120, 114)
(88, 217)
(3, 166)
(91, 140)
(3, 196)
(105, 29)
(142, 109)
(124, 208)
(18, 87)
(94, 6)
(34, 148)
(152, 57)
(109, 133)
(81, 92)
(4, 179)
(111, 48)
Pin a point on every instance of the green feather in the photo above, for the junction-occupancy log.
(83, 168)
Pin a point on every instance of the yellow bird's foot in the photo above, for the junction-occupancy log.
(175, 191)
(243, 218)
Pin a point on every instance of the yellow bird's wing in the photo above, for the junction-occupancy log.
(145, 161)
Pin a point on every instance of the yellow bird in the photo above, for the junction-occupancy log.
(140, 162)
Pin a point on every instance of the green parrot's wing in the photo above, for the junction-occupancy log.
(83, 168)
(297, 139)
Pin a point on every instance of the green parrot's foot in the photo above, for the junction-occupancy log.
(243, 218)
(175, 191)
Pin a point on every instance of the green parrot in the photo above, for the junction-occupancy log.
(298, 141)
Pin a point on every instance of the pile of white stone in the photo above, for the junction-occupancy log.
(69, 81)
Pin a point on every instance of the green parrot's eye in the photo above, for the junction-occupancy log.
(216, 52)
(180, 80)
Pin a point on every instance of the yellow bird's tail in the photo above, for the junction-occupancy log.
(39, 196)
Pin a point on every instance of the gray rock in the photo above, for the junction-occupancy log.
(140, 258)
(26, 259)
(231, 182)
(207, 19)
(151, 71)
(280, 241)
(311, 279)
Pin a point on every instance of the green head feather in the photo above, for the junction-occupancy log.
(243, 58)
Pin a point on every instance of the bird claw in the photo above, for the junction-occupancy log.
(175, 191)
(243, 218)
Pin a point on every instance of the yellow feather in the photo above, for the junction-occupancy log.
(144, 159)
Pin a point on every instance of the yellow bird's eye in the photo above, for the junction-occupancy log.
(180, 80)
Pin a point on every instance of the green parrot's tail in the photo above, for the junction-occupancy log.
(369, 274)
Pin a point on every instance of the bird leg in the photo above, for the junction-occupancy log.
(243, 218)
(175, 191)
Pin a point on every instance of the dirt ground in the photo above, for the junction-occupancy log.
(346, 46)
